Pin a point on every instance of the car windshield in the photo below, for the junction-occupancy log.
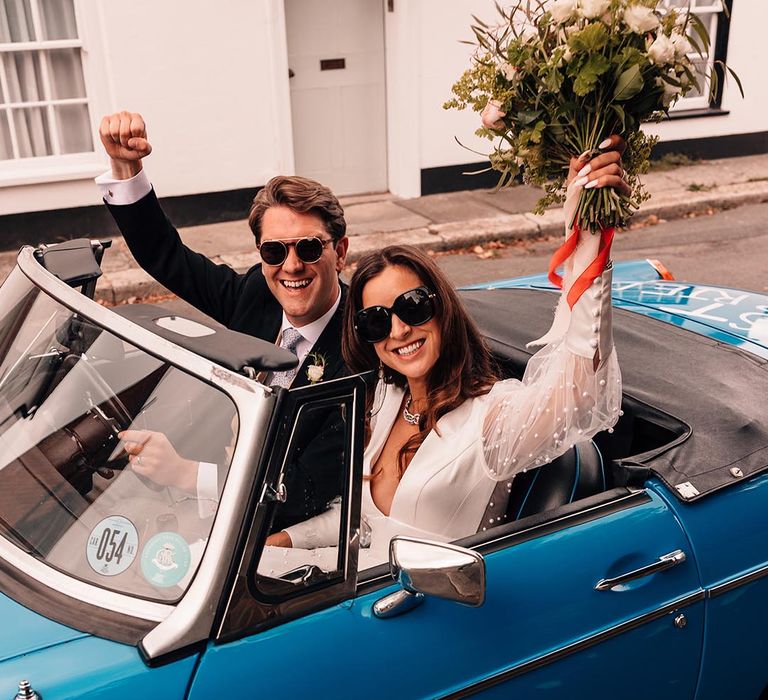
(69, 495)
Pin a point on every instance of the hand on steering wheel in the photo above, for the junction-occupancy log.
(152, 456)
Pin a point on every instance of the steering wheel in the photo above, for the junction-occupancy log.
(95, 432)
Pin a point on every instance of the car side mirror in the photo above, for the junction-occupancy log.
(423, 567)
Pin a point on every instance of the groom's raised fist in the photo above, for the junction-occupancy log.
(124, 137)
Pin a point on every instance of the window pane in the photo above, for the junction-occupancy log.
(700, 71)
(16, 21)
(23, 72)
(58, 19)
(66, 73)
(74, 128)
(32, 132)
(710, 24)
(6, 150)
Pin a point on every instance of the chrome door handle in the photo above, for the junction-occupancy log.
(666, 561)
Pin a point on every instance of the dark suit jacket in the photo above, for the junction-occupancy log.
(241, 302)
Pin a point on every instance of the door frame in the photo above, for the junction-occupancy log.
(402, 33)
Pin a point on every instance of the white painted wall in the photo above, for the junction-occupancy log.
(212, 83)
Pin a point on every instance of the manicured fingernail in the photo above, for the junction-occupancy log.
(585, 154)
(605, 143)
(581, 182)
(590, 184)
(584, 171)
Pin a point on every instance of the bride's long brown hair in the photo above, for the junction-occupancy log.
(464, 369)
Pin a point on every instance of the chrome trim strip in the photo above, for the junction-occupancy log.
(75, 588)
(664, 562)
(575, 647)
(737, 582)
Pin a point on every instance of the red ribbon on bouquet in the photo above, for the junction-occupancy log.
(594, 269)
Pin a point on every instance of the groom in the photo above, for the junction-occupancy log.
(296, 301)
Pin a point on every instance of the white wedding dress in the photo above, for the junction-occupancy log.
(562, 399)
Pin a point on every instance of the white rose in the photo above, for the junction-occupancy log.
(670, 91)
(492, 116)
(593, 8)
(562, 10)
(315, 373)
(661, 51)
(508, 71)
(682, 45)
(640, 19)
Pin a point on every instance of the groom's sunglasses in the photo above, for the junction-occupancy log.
(414, 308)
(308, 250)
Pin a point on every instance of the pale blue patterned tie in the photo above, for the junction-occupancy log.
(289, 341)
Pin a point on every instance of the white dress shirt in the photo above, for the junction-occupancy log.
(122, 192)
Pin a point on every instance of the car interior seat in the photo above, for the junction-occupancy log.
(576, 474)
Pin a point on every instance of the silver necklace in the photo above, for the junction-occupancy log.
(408, 417)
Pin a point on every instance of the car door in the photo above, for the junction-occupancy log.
(546, 629)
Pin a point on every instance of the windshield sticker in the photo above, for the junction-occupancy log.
(112, 546)
(165, 559)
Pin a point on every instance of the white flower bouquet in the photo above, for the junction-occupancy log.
(554, 79)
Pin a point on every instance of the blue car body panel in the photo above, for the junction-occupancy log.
(63, 663)
(23, 631)
(728, 538)
(540, 596)
(89, 668)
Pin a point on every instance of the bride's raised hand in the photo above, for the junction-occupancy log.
(603, 170)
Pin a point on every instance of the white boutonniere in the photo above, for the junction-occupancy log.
(317, 368)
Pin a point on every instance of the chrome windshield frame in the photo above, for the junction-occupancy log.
(190, 619)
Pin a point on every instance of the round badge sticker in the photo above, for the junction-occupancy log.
(165, 559)
(112, 546)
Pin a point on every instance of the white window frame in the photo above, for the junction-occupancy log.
(700, 7)
(57, 167)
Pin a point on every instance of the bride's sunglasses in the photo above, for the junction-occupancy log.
(308, 250)
(414, 307)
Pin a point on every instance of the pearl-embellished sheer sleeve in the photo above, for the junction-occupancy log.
(571, 388)
(561, 400)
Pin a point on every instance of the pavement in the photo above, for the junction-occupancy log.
(450, 221)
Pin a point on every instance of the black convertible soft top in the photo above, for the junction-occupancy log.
(709, 399)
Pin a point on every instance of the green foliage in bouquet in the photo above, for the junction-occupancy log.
(554, 79)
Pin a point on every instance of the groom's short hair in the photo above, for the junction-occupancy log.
(302, 195)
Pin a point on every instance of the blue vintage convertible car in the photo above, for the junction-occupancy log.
(635, 568)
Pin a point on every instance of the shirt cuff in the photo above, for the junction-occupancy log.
(122, 192)
(207, 489)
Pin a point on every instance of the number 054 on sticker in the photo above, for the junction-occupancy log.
(112, 545)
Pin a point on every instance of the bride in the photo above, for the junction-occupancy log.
(443, 429)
